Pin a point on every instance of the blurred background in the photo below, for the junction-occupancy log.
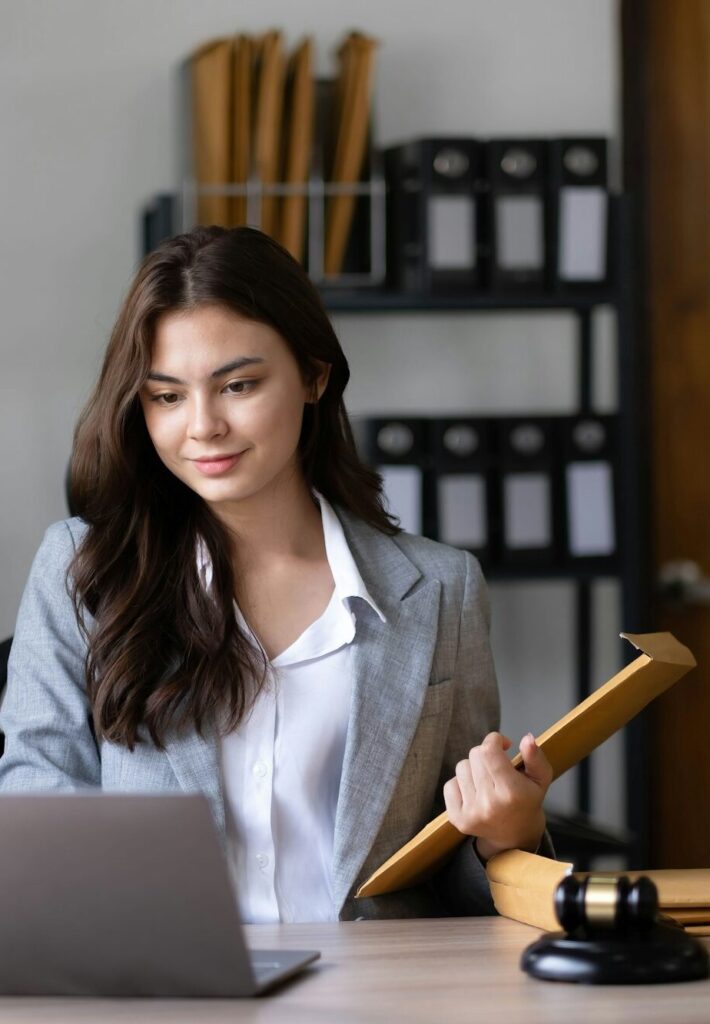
(505, 207)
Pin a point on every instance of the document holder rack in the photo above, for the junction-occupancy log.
(364, 263)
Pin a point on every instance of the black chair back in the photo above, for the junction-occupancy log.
(5, 646)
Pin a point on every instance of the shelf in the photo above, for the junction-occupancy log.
(546, 573)
(372, 300)
(578, 836)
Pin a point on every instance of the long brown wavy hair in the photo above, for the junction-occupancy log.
(163, 651)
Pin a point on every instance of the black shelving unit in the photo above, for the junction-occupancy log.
(378, 300)
(632, 539)
(159, 221)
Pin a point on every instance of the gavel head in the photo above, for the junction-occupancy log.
(597, 902)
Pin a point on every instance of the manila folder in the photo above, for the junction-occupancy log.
(662, 662)
(523, 887)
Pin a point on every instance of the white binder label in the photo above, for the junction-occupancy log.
(590, 509)
(519, 233)
(403, 493)
(463, 517)
(452, 232)
(582, 234)
(527, 513)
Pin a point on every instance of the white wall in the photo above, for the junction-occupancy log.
(88, 121)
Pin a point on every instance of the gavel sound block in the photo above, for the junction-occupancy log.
(613, 935)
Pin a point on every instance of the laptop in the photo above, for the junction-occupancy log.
(107, 894)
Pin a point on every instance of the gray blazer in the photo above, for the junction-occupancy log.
(424, 693)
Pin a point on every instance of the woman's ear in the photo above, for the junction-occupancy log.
(320, 381)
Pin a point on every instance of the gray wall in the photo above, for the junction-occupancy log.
(88, 116)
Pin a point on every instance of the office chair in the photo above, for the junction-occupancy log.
(5, 646)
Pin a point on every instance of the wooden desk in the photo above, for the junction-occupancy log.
(382, 972)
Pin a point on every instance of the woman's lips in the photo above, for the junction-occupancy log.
(215, 467)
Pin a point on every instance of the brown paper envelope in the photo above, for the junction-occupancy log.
(354, 89)
(663, 662)
(677, 887)
(344, 98)
(571, 739)
(242, 116)
(690, 915)
(211, 77)
(269, 110)
(299, 135)
(680, 887)
(523, 886)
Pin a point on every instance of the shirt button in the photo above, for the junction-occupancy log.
(260, 769)
(262, 860)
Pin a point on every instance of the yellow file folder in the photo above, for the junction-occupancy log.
(271, 69)
(662, 662)
(299, 143)
(523, 887)
(353, 95)
(241, 123)
(210, 69)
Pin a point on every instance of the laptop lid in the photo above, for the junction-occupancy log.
(108, 894)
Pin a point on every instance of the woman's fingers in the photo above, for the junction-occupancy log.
(493, 757)
(465, 779)
(453, 802)
(537, 767)
(488, 797)
(482, 777)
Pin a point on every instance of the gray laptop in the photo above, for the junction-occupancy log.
(105, 894)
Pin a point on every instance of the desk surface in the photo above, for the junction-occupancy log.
(448, 971)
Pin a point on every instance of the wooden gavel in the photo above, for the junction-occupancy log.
(613, 935)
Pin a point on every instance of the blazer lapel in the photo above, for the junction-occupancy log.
(391, 670)
(195, 761)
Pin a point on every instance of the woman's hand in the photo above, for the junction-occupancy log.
(499, 804)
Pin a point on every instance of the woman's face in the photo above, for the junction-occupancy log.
(223, 403)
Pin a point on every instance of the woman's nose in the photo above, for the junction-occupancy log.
(205, 421)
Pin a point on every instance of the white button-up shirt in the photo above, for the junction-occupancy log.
(282, 765)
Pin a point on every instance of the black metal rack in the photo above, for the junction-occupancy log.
(632, 542)
(378, 300)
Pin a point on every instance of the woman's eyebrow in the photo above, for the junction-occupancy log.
(236, 364)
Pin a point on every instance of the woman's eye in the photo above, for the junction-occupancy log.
(239, 387)
(166, 398)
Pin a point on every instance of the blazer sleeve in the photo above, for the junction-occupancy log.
(45, 714)
(461, 886)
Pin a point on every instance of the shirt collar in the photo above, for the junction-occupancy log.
(346, 575)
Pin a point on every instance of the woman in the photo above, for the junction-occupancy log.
(232, 611)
